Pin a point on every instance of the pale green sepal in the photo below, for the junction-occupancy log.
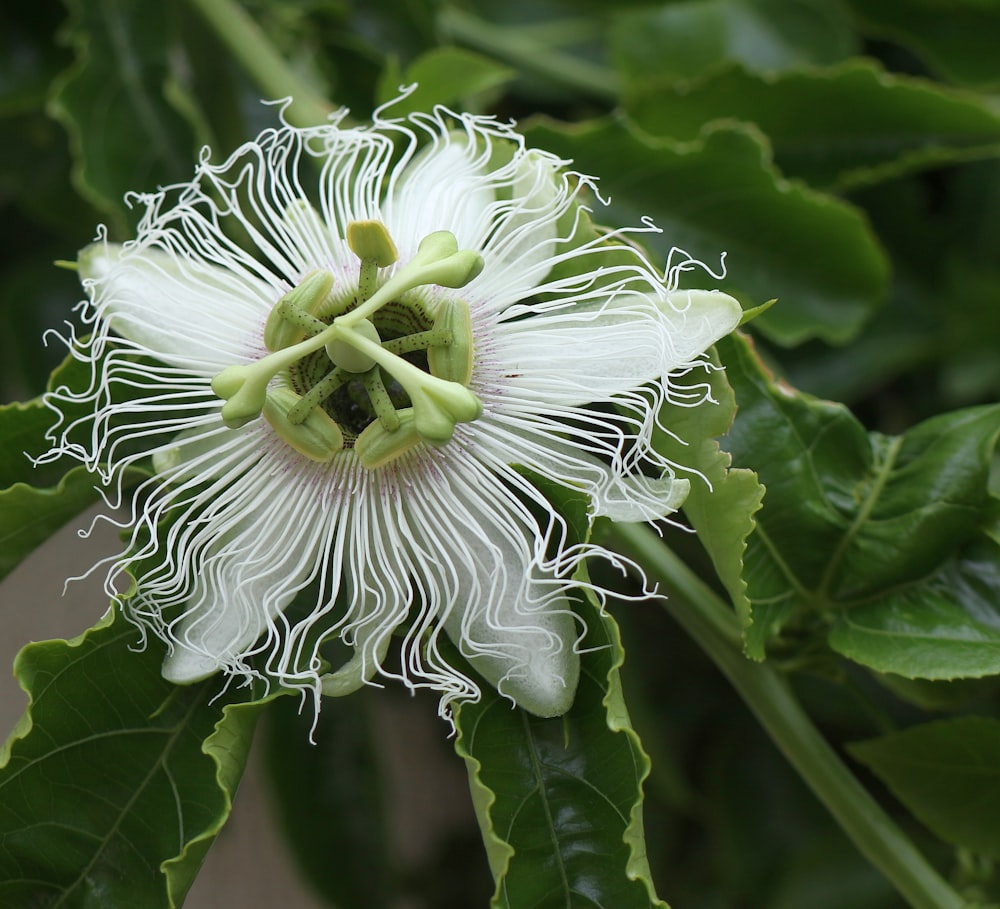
(750, 314)
(95, 260)
(358, 670)
(453, 361)
(376, 447)
(318, 437)
(696, 319)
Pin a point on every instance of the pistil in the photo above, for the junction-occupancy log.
(439, 399)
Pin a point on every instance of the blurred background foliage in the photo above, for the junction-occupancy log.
(844, 153)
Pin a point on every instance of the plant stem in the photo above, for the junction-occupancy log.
(261, 60)
(715, 628)
(517, 46)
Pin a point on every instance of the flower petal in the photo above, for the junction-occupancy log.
(510, 616)
(570, 359)
(693, 320)
(183, 311)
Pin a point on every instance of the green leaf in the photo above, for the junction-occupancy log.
(945, 628)
(948, 774)
(35, 501)
(115, 782)
(340, 841)
(836, 128)
(955, 38)
(863, 531)
(113, 102)
(29, 516)
(681, 40)
(443, 75)
(722, 193)
(722, 502)
(560, 800)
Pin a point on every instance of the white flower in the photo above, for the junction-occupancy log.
(397, 498)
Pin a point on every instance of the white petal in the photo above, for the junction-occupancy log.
(520, 251)
(694, 320)
(510, 618)
(615, 492)
(182, 311)
(571, 359)
(442, 188)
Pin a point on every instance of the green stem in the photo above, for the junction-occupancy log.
(262, 61)
(516, 45)
(714, 626)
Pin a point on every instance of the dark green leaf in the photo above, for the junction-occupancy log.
(878, 536)
(29, 516)
(444, 75)
(660, 43)
(125, 134)
(115, 782)
(721, 193)
(956, 38)
(948, 774)
(945, 628)
(837, 127)
(328, 793)
(560, 800)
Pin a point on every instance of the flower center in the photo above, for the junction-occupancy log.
(371, 370)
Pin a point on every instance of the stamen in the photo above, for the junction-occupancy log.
(452, 360)
(420, 340)
(371, 243)
(376, 446)
(318, 394)
(318, 437)
(294, 315)
(439, 400)
(380, 400)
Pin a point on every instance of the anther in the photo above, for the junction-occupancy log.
(376, 446)
(318, 437)
(453, 360)
(295, 313)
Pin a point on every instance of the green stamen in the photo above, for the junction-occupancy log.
(318, 437)
(295, 313)
(318, 394)
(376, 446)
(379, 397)
(300, 326)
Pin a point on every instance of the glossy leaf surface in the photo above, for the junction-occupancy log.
(836, 127)
(722, 193)
(115, 782)
(560, 800)
(878, 538)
